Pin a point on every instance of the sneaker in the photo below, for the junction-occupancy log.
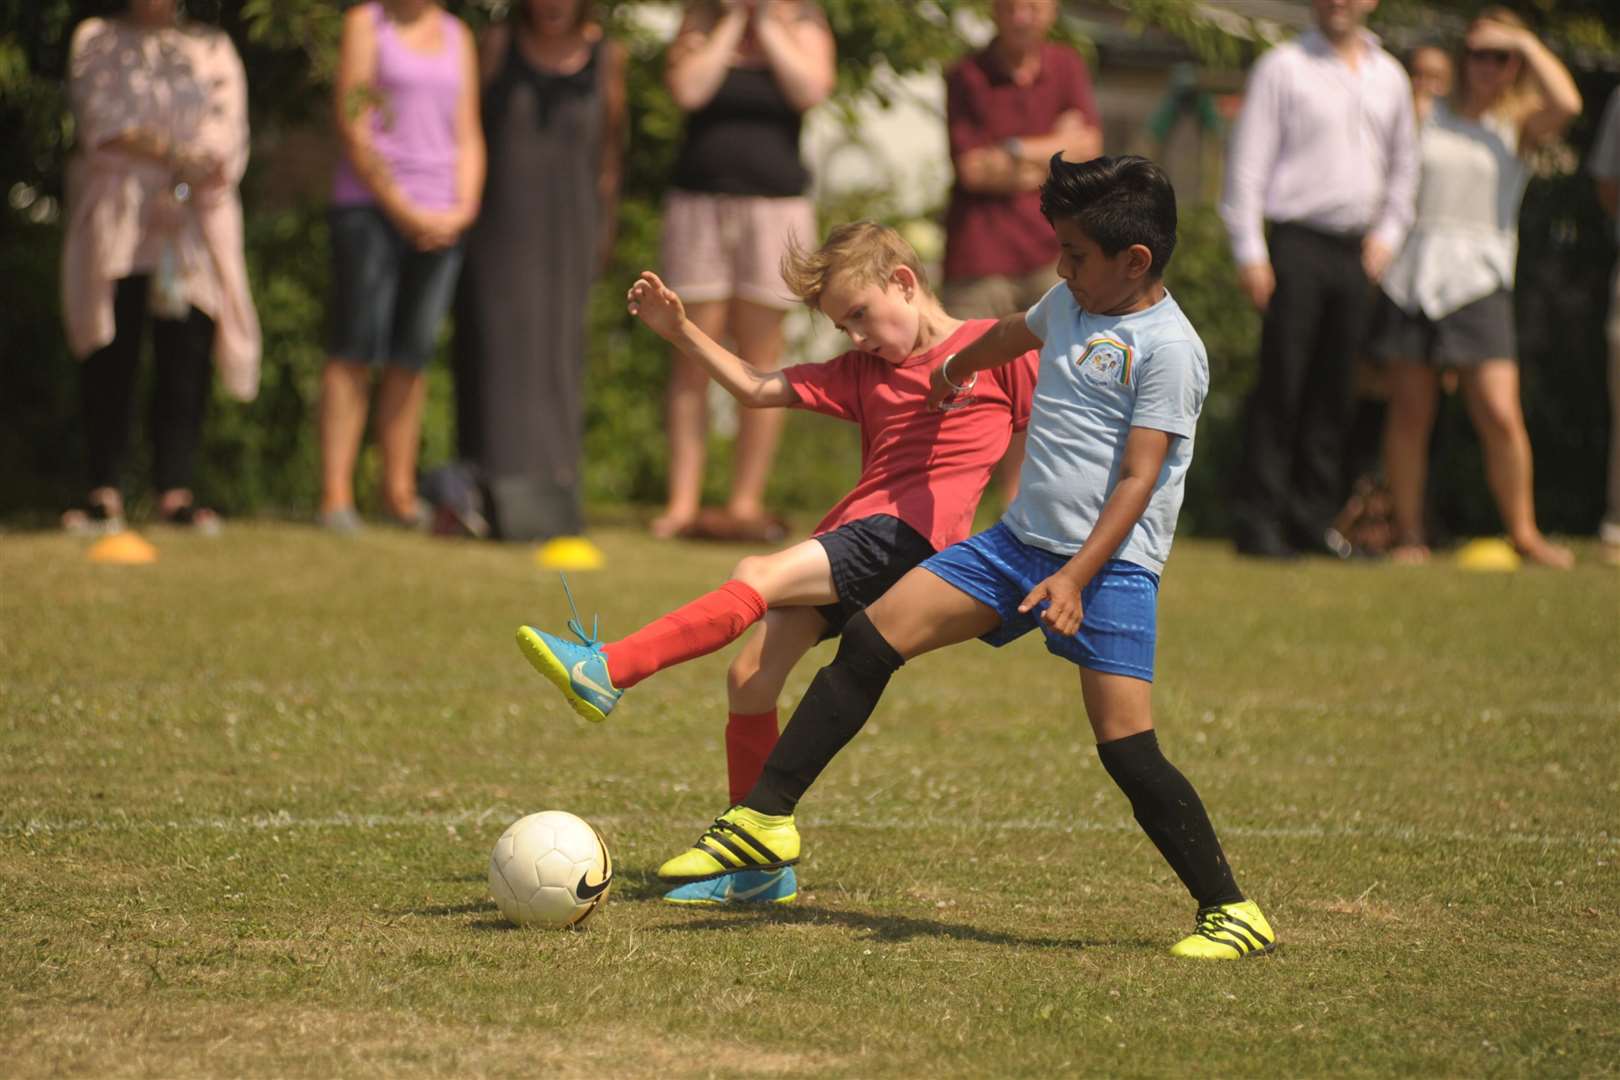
(739, 839)
(743, 887)
(1228, 932)
(579, 671)
(344, 521)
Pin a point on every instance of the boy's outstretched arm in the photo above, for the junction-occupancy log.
(1145, 451)
(1009, 339)
(657, 305)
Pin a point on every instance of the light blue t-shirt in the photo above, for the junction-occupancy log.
(1100, 376)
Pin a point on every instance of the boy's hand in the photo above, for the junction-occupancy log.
(1063, 612)
(656, 304)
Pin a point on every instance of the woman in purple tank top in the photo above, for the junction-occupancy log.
(406, 190)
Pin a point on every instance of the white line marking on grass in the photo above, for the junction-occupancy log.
(501, 815)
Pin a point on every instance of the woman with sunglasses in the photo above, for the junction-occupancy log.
(1448, 296)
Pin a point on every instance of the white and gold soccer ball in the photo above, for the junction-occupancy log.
(550, 869)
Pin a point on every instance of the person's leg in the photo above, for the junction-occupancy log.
(1610, 530)
(106, 397)
(920, 614)
(797, 575)
(1120, 710)
(1317, 489)
(401, 399)
(759, 336)
(345, 391)
(1168, 809)
(1414, 394)
(183, 351)
(754, 685)
(368, 255)
(1491, 392)
(759, 833)
(686, 418)
(1287, 337)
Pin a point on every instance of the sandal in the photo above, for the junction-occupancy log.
(726, 528)
(199, 519)
(418, 519)
(92, 519)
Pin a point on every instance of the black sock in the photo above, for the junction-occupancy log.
(832, 712)
(1172, 815)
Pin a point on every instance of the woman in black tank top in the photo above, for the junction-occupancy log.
(745, 72)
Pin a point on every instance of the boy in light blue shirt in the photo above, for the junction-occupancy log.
(1123, 376)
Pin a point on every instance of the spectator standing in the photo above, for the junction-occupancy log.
(154, 237)
(1008, 109)
(1324, 153)
(553, 114)
(1448, 296)
(1605, 168)
(745, 72)
(408, 186)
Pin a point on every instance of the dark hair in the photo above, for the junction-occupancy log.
(1118, 201)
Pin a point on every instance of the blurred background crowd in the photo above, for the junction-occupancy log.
(365, 263)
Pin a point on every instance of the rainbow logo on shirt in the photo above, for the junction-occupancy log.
(1107, 360)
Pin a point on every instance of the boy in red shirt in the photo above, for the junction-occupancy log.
(922, 473)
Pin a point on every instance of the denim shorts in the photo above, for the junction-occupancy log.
(1120, 625)
(868, 556)
(388, 299)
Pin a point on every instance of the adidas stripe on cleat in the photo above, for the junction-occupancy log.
(739, 839)
(743, 887)
(1228, 932)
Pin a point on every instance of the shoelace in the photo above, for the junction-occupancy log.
(594, 640)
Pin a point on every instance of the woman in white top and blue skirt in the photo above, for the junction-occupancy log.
(1448, 296)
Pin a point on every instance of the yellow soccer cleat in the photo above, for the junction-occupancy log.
(739, 839)
(1228, 932)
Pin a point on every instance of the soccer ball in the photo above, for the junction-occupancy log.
(550, 869)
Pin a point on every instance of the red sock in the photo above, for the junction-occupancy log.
(696, 629)
(749, 740)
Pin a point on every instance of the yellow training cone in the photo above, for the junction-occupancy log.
(1490, 554)
(123, 548)
(569, 553)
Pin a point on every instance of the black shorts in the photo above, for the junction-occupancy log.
(1476, 332)
(388, 299)
(868, 556)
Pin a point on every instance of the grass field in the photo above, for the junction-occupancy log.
(250, 793)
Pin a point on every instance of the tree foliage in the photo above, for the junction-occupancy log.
(262, 455)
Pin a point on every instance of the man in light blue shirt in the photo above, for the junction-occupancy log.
(1325, 153)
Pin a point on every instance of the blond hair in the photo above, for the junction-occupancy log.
(1520, 99)
(860, 253)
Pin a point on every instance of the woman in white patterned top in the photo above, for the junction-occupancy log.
(1448, 296)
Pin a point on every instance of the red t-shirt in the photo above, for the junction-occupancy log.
(1006, 234)
(925, 467)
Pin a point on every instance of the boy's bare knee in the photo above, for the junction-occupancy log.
(753, 571)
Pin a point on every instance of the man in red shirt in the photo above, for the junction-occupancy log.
(1009, 108)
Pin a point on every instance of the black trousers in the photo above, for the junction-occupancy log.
(1292, 478)
(183, 351)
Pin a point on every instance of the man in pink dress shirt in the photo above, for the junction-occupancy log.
(1320, 182)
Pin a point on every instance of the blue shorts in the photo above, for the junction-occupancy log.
(1119, 629)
